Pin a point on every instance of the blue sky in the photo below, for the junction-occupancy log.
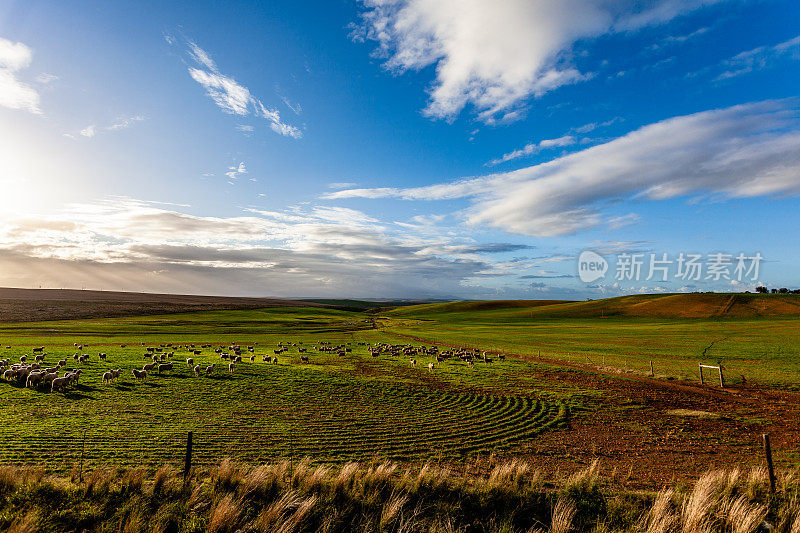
(397, 148)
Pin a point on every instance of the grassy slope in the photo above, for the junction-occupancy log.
(755, 336)
(699, 305)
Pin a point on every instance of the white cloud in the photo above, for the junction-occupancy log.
(741, 151)
(146, 246)
(226, 93)
(46, 79)
(760, 58)
(13, 93)
(125, 122)
(533, 148)
(122, 123)
(234, 172)
(231, 96)
(495, 55)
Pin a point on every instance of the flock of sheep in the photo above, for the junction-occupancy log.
(36, 375)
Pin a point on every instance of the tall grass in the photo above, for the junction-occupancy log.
(386, 497)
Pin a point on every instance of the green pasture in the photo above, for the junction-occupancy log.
(354, 406)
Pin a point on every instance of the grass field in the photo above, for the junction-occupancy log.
(334, 409)
(340, 408)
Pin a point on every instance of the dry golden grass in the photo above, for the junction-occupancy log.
(285, 498)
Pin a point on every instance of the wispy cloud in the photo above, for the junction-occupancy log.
(231, 96)
(235, 171)
(741, 151)
(493, 56)
(121, 123)
(534, 148)
(89, 131)
(13, 93)
(760, 58)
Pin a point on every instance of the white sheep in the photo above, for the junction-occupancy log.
(190, 362)
(107, 377)
(139, 374)
(197, 369)
(231, 367)
(209, 370)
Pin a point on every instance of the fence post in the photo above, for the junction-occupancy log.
(188, 465)
(652, 374)
(701, 374)
(770, 469)
(721, 379)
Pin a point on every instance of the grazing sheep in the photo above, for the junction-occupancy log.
(49, 377)
(148, 367)
(60, 383)
(164, 367)
(102, 355)
(304, 359)
(76, 375)
(107, 377)
(39, 358)
(431, 365)
(209, 370)
(23, 358)
(63, 362)
(231, 367)
(274, 360)
(190, 362)
(413, 362)
(116, 373)
(139, 374)
(252, 358)
(34, 378)
(197, 369)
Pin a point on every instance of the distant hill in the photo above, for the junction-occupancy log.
(25, 305)
(694, 305)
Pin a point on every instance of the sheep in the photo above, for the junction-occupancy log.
(139, 374)
(209, 369)
(23, 358)
(252, 358)
(60, 383)
(197, 369)
(413, 362)
(9, 374)
(164, 367)
(51, 369)
(34, 378)
(190, 362)
(274, 360)
(39, 358)
(107, 377)
(102, 355)
(155, 359)
(304, 359)
(116, 373)
(231, 367)
(63, 362)
(148, 367)
(431, 365)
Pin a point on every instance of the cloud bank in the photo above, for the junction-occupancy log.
(741, 151)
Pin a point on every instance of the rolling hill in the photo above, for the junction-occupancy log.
(694, 305)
